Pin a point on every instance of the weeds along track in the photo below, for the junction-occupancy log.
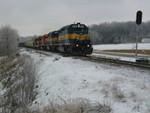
(98, 59)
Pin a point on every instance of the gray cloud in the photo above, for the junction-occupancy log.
(32, 17)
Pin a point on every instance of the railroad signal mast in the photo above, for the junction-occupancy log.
(138, 22)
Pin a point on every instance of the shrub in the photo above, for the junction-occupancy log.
(117, 93)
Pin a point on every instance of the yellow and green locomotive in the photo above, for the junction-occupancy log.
(74, 39)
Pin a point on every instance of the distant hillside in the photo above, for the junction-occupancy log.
(113, 33)
(24, 39)
(118, 32)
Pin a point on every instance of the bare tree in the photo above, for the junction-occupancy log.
(8, 41)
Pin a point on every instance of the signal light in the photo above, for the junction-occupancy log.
(139, 17)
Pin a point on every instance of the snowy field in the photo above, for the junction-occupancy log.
(121, 46)
(126, 89)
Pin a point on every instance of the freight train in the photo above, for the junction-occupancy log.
(70, 39)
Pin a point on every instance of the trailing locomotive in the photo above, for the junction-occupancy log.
(70, 39)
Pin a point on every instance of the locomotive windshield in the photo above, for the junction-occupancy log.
(78, 29)
(55, 34)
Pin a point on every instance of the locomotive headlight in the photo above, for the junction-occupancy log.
(88, 45)
(78, 25)
(77, 45)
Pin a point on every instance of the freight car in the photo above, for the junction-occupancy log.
(29, 44)
(70, 39)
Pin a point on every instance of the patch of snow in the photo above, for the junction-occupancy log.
(66, 77)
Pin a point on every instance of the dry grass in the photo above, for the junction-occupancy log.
(113, 90)
(117, 93)
(7, 66)
(143, 51)
(18, 77)
(76, 106)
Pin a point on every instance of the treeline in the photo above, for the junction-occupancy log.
(8, 41)
(118, 32)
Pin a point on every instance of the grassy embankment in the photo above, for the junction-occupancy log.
(18, 91)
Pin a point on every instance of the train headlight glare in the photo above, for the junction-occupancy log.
(77, 45)
(88, 45)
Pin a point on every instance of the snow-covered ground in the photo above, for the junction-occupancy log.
(121, 46)
(126, 88)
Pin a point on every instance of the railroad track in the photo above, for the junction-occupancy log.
(101, 59)
(114, 60)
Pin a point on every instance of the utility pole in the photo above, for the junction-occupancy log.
(7, 43)
(7, 46)
(137, 39)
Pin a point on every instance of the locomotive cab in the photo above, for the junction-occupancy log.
(81, 41)
(74, 38)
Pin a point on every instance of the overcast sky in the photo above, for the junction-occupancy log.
(35, 17)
